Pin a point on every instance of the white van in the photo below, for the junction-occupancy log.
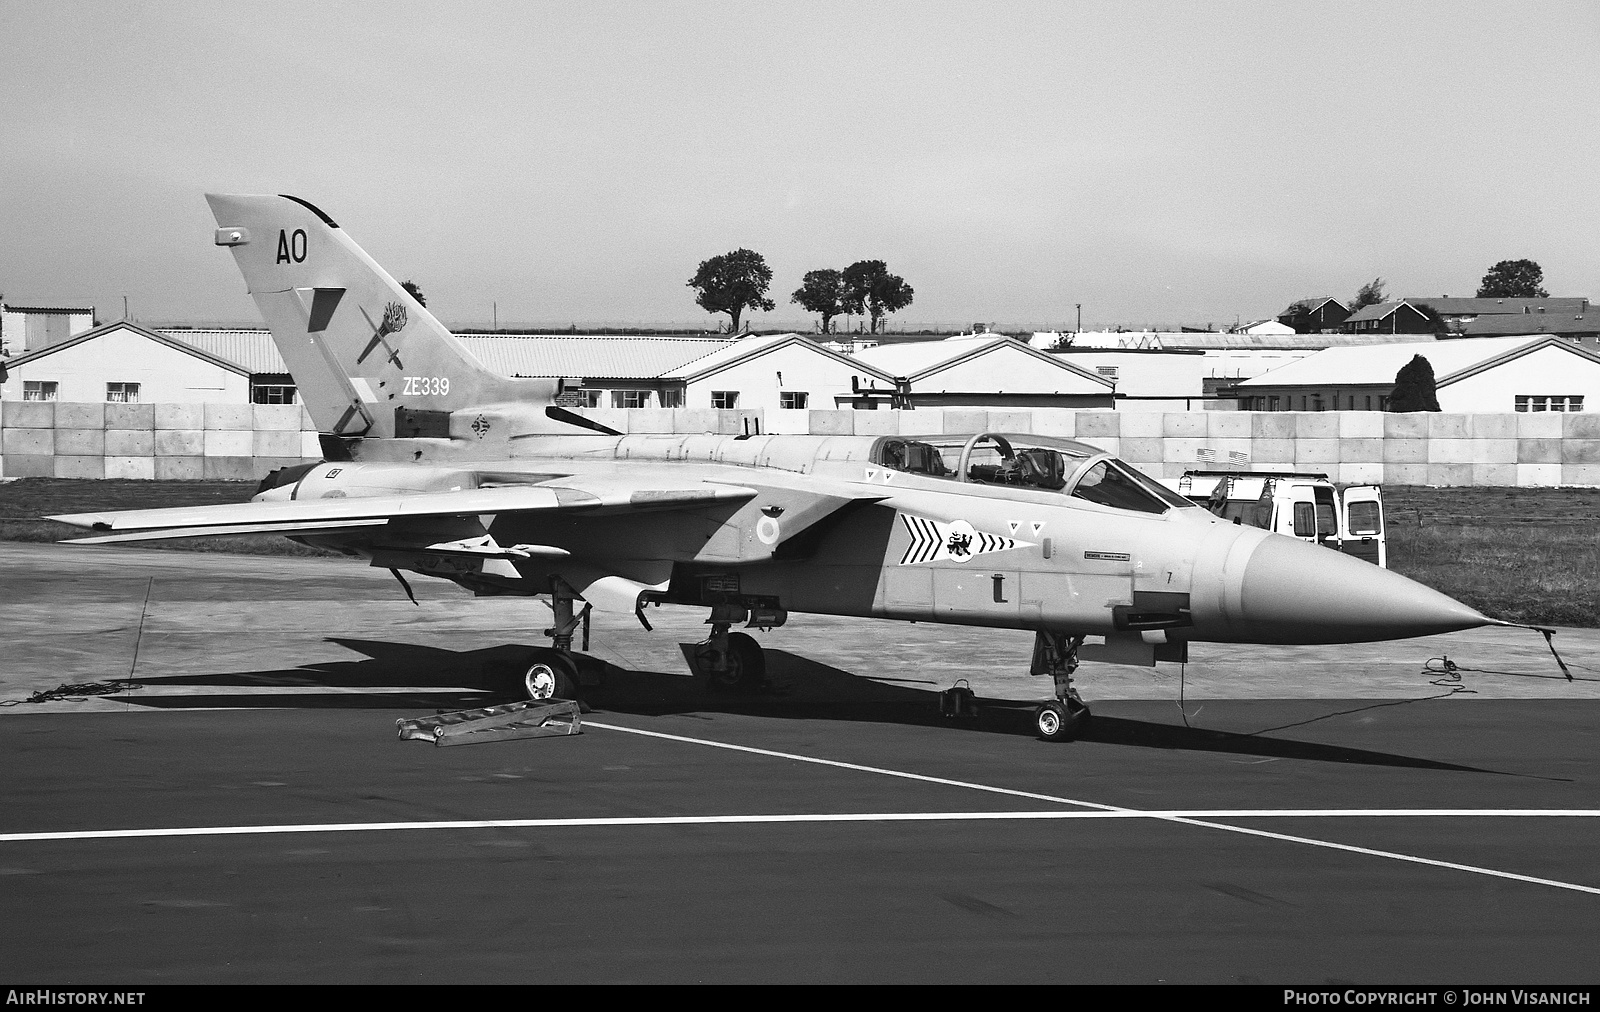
(1303, 505)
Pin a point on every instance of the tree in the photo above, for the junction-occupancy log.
(823, 292)
(875, 291)
(733, 282)
(1513, 279)
(1436, 323)
(1413, 387)
(415, 292)
(1370, 294)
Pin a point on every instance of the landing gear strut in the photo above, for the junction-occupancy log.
(733, 662)
(554, 671)
(1056, 655)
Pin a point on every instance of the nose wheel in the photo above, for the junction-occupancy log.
(551, 676)
(1056, 655)
(1061, 720)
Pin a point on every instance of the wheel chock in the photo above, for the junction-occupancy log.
(546, 718)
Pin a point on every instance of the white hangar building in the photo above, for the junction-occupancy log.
(1483, 374)
(1147, 380)
(123, 363)
(779, 372)
(988, 370)
(765, 372)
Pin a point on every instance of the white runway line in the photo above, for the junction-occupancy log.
(1048, 815)
(1195, 819)
(1091, 811)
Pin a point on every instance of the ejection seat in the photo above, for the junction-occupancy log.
(914, 457)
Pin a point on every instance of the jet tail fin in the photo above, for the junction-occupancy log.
(367, 357)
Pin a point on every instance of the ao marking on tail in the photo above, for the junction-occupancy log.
(292, 248)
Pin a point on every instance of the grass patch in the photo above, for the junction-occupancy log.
(1544, 575)
(25, 502)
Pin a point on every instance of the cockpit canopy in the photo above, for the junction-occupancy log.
(1044, 463)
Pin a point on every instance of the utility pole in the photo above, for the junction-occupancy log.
(124, 307)
(1079, 307)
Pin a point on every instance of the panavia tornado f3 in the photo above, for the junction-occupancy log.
(436, 466)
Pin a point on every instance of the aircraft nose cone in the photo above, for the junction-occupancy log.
(1294, 592)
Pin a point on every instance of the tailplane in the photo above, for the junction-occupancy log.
(367, 358)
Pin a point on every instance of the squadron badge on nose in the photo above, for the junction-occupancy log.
(956, 541)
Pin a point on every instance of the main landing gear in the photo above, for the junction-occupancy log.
(733, 662)
(1056, 655)
(555, 673)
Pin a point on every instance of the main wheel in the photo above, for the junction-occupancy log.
(744, 669)
(1055, 722)
(551, 676)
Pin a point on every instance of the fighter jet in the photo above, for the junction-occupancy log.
(437, 467)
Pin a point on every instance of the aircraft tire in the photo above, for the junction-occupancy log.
(1055, 722)
(746, 671)
(550, 676)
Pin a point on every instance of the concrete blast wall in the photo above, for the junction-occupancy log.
(183, 441)
(245, 441)
(1424, 448)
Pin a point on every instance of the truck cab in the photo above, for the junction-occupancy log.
(1304, 505)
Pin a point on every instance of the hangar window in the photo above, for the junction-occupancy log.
(39, 390)
(630, 398)
(672, 398)
(122, 393)
(725, 399)
(272, 393)
(793, 399)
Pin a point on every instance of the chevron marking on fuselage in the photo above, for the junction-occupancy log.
(956, 541)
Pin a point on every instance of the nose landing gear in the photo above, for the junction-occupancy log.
(1056, 655)
(554, 673)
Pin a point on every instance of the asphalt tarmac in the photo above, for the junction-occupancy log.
(246, 813)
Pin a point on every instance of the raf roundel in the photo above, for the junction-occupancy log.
(768, 531)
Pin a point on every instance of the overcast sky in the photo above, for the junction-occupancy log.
(1158, 163)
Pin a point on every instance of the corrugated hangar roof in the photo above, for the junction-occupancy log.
(595, 357)
(251, 349)
(1533, 323)
(1446, 306)
(911, 359)
(49, 310)
(1377, 365)
(1216, 340)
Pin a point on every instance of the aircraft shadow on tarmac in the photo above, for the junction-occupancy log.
(405, 675)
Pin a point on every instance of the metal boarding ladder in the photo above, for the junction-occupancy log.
(545, 718)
